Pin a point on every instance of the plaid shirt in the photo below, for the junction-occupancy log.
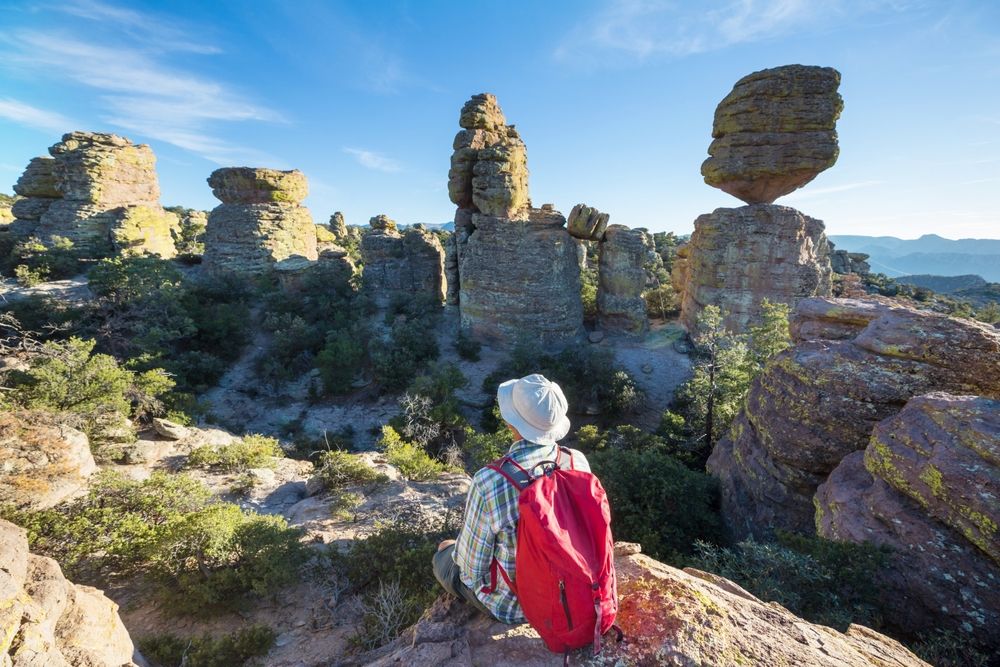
(490, 529)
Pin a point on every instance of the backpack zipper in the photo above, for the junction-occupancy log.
(565, 603)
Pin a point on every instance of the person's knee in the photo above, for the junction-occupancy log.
(442, 564)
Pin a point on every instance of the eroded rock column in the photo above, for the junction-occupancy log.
(624, 257)
(407, 263)
(516, 267)
(260, 222)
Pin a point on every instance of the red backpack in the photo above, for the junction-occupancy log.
(565, 564)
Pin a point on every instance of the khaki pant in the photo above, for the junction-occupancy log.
(446, 572)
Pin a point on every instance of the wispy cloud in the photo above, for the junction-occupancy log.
(372, 160)
(811, 193)
(139, 90)
(25, 114)
(640, 29)
(157, 31)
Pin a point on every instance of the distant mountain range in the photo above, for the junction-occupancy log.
(929, 254)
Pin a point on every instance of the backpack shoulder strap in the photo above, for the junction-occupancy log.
(569, 456)
(512, 472)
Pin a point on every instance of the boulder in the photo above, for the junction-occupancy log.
(42, 462)
(774, 132)
(101, 192)
(818, 401)
(737, 257)
(587, 223)
(47, 620)
(626, 256)
(169, 430)
(669, 617)
(928, 486)
(258, 185)
(260, 221)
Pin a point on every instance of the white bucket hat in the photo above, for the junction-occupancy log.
(536, 407)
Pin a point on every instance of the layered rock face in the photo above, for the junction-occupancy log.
(625, 255)
(737, 257)
(396, 263)
(260, 221)
(775, 132)
(669, 617)
(101, 192)
(42, 462)
(515, 268)
(521, 278)
(854, 363)
(928, 486)
(47, 620)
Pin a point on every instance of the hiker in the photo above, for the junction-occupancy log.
(566, 549)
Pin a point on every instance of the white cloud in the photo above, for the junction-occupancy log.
(139, 90)
(373, 160)
(640, 29)
(25, 114)
(156, 31)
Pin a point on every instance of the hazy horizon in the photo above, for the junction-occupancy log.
(614, 99)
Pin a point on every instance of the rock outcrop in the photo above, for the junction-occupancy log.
(47, 620)
(928, 486)
(260, 222)
(626, 256)
(42, 462)
(854, 364)
(407, 263)
(844, 262)
(515, 267)
(101, 192)
(338, 226)
(737, 257)
(775, 132)
(669, 617)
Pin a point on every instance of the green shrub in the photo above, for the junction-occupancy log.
(661, 301)
(29, 277)
(45, 317)
(339, 361)
(619, 438)
(338, 468)
(468, 348)
(588, 293)
(657, 501)
(412, 462)
(482, 448)
(206, 651)
(398, 552)
(35, 262)
(343, 504)
(250, 451)
(832, 583)
(951, 649)
(410, 346)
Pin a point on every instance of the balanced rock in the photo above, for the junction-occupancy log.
(489, 168)
(587, 223)
(48, 620)
(101, 192)
(668, 616)
(411, 262)
(775, 132)
(249, 185)
(844, 262)
(854, 363)
(737, 257)
(623, 272)
(42, 462)
(260, 221)
(928, 486)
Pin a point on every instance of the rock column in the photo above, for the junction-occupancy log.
(411, 262)
(624, 257)
(260, 222)
(516, 267)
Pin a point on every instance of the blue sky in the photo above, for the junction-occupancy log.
(614, 98)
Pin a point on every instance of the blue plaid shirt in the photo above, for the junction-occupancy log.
(490, 528)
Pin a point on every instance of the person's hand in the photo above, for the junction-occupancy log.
(445, 544)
